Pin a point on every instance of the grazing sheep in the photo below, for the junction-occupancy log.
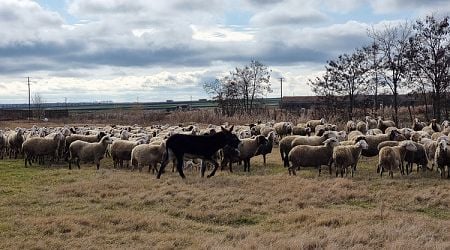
(311, 156)
(266, 130)
(442, 158)
(391, 158)
(351, 126)
(313, 123)
(247, 149)
(345, 156)
(267, 148)
(15, 140)
(88, 151)
(41, 147)
(121, 151)
(147, 155)
(282, 129)
(416, 136)
(362, 127)
(383, 125)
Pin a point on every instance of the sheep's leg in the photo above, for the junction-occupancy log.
(216, 166)
(264, 159)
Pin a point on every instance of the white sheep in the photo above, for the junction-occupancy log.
(88, 151)
(312, 156)
(391, 158)
(345, 156)
(147, 155)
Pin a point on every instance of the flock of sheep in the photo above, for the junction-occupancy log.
(311, 144)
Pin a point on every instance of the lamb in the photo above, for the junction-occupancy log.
(121, 151)
(247, 149)
(88, 151)
(391, 158)
(362, 127)
(442, 158)
(15, 140)
(283, 129)
(312, 156)
(41, 147)
(383, 125)
(345, 156)
(313, 123)
(147, 155)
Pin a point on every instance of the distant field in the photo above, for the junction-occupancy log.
(52, 207)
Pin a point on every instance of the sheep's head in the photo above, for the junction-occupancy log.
(100, 135)
(408, 145)
(331, 142)
(445, 124)
(362, 144)
(261, 140)
(322, 121)
(443, 145)
(106, 140)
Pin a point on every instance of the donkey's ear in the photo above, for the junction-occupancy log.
(231, 129)
(223, 129)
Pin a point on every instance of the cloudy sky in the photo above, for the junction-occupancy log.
(120, 50)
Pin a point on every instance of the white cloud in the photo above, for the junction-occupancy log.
(220, 34)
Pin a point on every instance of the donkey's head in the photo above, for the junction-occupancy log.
(230, 139)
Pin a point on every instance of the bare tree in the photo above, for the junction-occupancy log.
(38, 104)
(430, 59)
(393, 43)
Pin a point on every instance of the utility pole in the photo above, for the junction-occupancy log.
(281, 93)
(29, 99)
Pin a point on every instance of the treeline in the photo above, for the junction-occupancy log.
(413, 58)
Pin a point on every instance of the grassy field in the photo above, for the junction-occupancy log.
(52, 207)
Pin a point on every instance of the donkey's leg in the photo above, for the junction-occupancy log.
(216, 166)
(163, 165)
(180, 166)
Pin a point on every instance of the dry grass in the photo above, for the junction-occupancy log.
(44, 208)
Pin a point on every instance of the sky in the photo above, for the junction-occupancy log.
(124, 51)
